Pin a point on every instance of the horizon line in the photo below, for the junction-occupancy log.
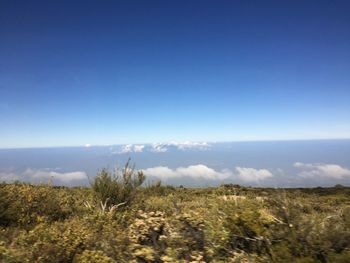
(165, 142)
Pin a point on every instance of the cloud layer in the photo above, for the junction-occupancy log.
(187, 145)
(317, 170)
(305, 171)
(192, 171)
(44, 176)
(160, 147)
(201, 171)
(128, 148)
(253, 175)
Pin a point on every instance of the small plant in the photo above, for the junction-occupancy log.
(117, 188)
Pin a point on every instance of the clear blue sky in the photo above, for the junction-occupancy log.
(103, 72)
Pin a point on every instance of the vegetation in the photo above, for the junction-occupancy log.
(42, 223)
(117, 188)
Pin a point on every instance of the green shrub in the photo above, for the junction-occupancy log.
(157, 189)
(26, 204)
(7, 211)
(117, 188)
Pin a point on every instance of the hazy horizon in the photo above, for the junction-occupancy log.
(172, 141)
(303, 163)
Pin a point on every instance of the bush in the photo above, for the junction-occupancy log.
(7, 213)
(157, 189)
(117, 188)
(26, 205)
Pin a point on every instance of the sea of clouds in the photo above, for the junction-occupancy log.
(185, 163)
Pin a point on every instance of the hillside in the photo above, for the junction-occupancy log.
(42, 223)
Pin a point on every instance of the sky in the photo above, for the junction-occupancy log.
(109, 72)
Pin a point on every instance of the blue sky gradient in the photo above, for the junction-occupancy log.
(105, 72)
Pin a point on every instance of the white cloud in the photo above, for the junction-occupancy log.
(201, 171)
(160, 172)
(192, 171)
(128, 148)
(252, 175)
(187, 145)
(138, 148)
(159, 148)
(38, 175)
(322, 170)
(191, 145)
(8, 176)
(44, 175)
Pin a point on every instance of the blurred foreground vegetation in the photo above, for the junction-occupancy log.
(117, 220)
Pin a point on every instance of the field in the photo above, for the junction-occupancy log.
(155, 223)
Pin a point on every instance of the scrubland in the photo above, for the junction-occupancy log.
(122, 219)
